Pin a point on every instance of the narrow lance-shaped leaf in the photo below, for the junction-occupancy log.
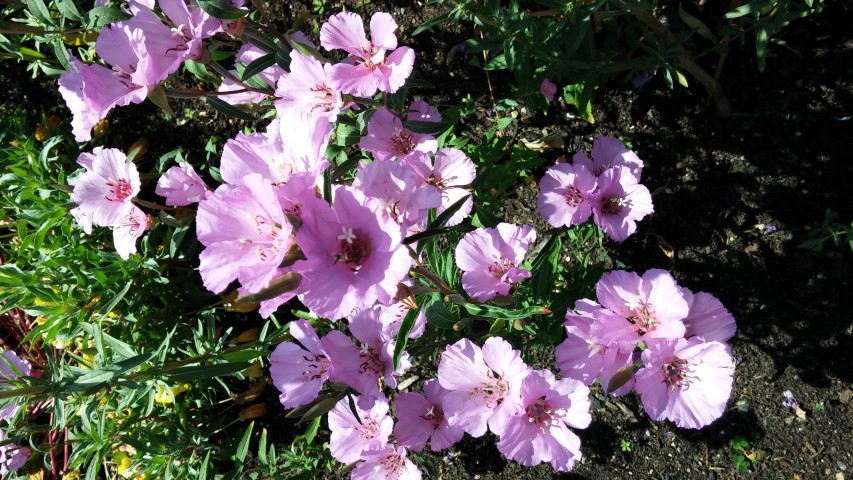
(222, 9)
(491, 311)
(403, 334)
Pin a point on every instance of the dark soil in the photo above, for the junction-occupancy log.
(733, 198)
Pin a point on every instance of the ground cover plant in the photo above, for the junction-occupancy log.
(346, 277)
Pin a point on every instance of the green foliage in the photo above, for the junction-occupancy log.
(581, 45)
(829, 230)
(746, 458)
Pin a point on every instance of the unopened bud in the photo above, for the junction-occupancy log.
(100, 128)
(255, 389)
(255, 370)
(249, 335)
(232, 305)
(138, 149)
(254, 411)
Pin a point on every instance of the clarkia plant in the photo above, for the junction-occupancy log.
(389, 257)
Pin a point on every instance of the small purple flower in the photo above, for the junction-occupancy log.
(790, 401)
(181, 186)
(548, 89)
(491, 259)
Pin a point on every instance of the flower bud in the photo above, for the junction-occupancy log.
(249, 335)
(138, 149)
(252, 393)
(255, 370)
(254, 411)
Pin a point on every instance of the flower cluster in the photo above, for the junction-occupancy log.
(606, 187)
(675, 338)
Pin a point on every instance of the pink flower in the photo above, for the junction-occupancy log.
(548, 89)
(452, 175)
(105, 191)
(300, 370)
(619, 203)
(371, 70)
(181, 186)
(245, 232)
(294, 143)
(308, 87)
(564, 194)
(387, 138)
(687, 381)
(538, 430)
(91, 91)
(375, 359)
(585, 358)
(490, 258)
(609, 152)
(422, 419)
(12, 367)
(396, 187)
(479, 382)
(12, 457)
(351, 436)
(128, 229)
(192, 25)
(645, 308)
(386, 463)
(707, 317)
(354, 255)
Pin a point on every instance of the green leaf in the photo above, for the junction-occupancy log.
(106, 309)
(262, 447)
(545, 268)
(157, 95)
(403, 334)
(69, 9)
(696, 24)
(199, 372)
(437, 313)
(753, 6)
(243, 447)
(309, 51)
(497, 63)
(442, 218)
(427, 128)
(311, 432)
(761, 48)
(492, 311)
(40, 11)
(230, 110)
(435, 21)
(258, 65)
(121, 349)
(97, 17)
(200, 71)
(417, 237)
(222, 9)
(504, 122)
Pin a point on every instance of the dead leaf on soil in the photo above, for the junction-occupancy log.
(546, 142)
(845, 396)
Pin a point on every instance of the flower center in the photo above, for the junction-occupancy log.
(120, 190)
(393, 465)
(539, 413)
(370, 361)
(574, 197)
(434, 415)
(643, 317)
(369, 428)
(499, 268)
(352, 249)
(677, 374)
(611, 205)
(492, 390)
(402, 142)
(270, 239)
(318, 366)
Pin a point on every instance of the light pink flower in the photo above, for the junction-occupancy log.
(538, 430)
(564, 195)
(352, 436)
(8, 366)
(386, 463)
(452, 174)
(128, 229)
(646, 308)
(245, 232)
(105, 191)
(181, 186)
(294, 143)
(707, 317)
(396, 187)
(300, 370)
(375, 355)
(609, 152)
(12, 456)
(479, 382)
(491, 259)
(687, 381)
(308, 87)
(387, 138)
(371, 70)
(619, 203)
(91, 91)
(584, 358)
(421, 419)
(354, 255)
(548, 89)
(192, 25)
